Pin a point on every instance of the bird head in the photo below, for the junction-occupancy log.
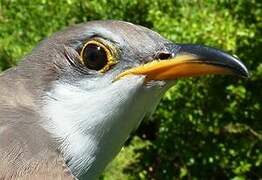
(98, 80)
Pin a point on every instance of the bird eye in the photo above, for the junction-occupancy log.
(96, 56)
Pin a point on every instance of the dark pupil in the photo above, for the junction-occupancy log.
(94, 57)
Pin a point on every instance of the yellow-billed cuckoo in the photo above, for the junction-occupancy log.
(68, 107)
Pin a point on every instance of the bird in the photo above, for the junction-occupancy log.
(68, 107)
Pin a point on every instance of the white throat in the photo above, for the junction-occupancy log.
(93, 123)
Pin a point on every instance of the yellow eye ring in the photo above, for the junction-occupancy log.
(97, 56)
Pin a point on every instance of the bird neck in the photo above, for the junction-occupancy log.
(93, 125)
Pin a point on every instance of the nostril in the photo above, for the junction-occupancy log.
(163, 55)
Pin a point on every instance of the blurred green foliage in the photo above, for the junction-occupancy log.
(204, 128)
